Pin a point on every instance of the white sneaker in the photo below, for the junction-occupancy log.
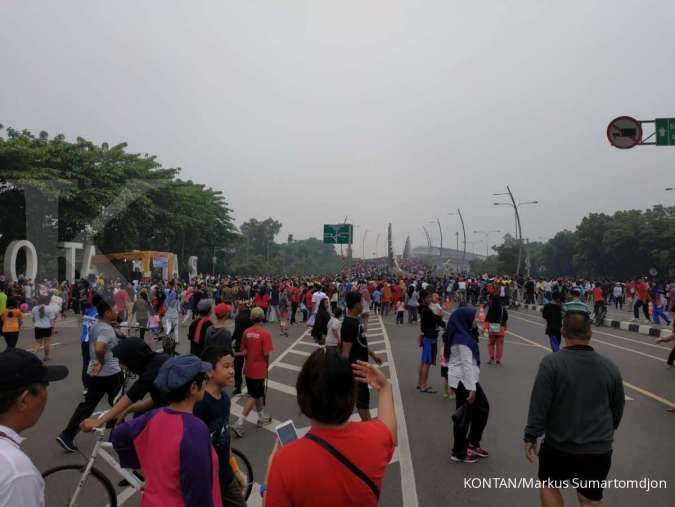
(264, 421)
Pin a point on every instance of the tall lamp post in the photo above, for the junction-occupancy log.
(486, 235)
(519, 229)
(440, 234)
(461, 219)
(426, 233)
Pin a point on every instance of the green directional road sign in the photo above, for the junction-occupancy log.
(338, 234)
(665, 132)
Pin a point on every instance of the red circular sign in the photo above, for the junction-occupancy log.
(624, 132)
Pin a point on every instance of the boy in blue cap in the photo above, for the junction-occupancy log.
(171, 446)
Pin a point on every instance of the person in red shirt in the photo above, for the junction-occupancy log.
(641, 299)
(295, 302)
(306, 472)
(308, 303)
(256, 345)
(262, 300)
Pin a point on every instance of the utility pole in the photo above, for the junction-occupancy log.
(459, 212)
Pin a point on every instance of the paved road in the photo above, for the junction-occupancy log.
(420, 473)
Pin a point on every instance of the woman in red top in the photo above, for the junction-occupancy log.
(325, 393)
(262, 300)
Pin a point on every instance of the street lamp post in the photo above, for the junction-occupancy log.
(461, 219)
(519, 229)
(486, 235)
(426, 233)
(440, 234)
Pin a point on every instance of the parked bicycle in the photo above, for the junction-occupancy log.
(77, 485)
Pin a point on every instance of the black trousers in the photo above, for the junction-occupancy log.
(294, 310)
(238, 372)
(472, 431)
(97, 388)
(86, 356)
(11, 339)
(671, 357)
(636, 309)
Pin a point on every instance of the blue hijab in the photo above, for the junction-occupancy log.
(460, 331)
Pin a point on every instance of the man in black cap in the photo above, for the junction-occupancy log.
(23, 397)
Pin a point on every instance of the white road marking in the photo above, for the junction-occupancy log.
(378, 342)
(300, 353)
(278, 386)
(287, 366)
(408, 485)
(596, 340)
(55, 344)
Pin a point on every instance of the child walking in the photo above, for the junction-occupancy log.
(214, 410)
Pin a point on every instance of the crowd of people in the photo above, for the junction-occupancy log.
(182, 406)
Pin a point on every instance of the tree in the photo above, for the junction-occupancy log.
(260, 235)
(118, 200)
(558, 253)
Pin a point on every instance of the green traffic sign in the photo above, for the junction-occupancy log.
(665, 132)
(338, 234)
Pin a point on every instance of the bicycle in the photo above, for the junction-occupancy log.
(76, 485)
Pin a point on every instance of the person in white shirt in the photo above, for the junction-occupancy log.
(333, 337)
(463, 356)
(316, 299)
(43, 322)
(23, 397)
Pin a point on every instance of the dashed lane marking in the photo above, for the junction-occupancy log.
(596, 340)
(604, 333)
(640, 390)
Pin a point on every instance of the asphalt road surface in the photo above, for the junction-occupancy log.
(420, 472)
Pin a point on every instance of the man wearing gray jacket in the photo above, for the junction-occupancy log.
(576, 404)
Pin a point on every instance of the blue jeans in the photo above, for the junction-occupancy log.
(555, 342)
(658, 312)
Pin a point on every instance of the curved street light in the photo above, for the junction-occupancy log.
(440, 233)
(519, 229)
(461, 219)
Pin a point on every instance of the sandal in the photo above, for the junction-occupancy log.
(428, 390)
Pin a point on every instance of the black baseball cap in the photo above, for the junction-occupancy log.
(19, 368)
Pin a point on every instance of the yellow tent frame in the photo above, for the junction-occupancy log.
(144, 256)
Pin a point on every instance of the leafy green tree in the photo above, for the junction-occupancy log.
(260, 235)
(117, 200)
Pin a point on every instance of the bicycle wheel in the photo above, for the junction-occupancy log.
(246, 469)
(61, 482)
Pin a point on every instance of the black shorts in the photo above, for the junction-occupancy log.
(362, 396)
(42, 332)
(557, 465)
(255, 387)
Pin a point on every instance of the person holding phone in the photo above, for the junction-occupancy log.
(326, 395)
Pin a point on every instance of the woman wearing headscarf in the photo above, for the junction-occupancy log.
(320, 327)
(463, 356)
(495, 325)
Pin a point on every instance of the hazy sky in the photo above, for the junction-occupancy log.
(307, 111)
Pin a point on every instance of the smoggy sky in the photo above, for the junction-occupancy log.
(385, 111)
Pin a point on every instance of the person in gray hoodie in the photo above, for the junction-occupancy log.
(576, 404)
